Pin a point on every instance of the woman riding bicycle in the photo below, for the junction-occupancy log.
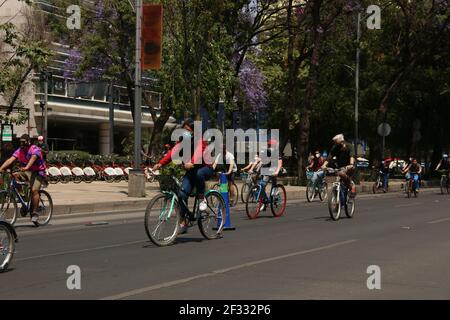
(197, 171)
(315, 165)
(413, 171)
(32, 169)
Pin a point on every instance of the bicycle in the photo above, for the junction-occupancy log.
(339, 197)
(410, 186)
(233, 197)
(379, 183)
(164, 210)
(248, 182)
(8, 239)
(257, 200)
(312, 191)
(445, 183)
(11, 197)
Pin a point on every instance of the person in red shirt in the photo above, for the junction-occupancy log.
(197, 171)
(316, 165)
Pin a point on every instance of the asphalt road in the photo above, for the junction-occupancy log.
(303, 255)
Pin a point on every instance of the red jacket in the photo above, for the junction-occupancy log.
(197, 157)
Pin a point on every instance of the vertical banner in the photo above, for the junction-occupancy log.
(152, 32)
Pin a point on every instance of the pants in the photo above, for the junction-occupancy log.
(346, 176)
(317, 178)
(385, 177)
(197, 178)
(416, 181)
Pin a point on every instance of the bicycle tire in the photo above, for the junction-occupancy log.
(175, 216)
(252, 199)
(310, 192)
(6, 252)
(350, 212)
(234, 200)
(273, 203)
(45, 219)
(213, 230)
(334, 204)
(77, 179)
(323, 192)
(443, 179)
(244, 191)
(9, 210)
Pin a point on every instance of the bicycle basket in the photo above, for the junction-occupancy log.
(167, 183)
(309, 174)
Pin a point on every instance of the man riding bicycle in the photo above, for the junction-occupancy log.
(444, 165)
(253, 168)
(341, 158)
(413, 171)
(197, 171)
(32, 169)
(385, 172)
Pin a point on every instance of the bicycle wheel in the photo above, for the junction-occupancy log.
(212, 221)
(323, 192)
(443, 184)
(65, 179)
(8, 207)
(244, 191)
(77, 179)
(278, 201)
(376, 186)
(334, 204)
(233, 195)
(45, 209)
(350, 207)
(7, 246)
(89, 179)
(253, 202)
(162, 220)
(110, 179)
(310, 191)
(54, 179)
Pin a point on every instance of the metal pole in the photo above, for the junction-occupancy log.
(358, 51)
(111, 118)
(45, 106)
(138, 89)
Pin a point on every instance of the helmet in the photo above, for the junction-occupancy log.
(445, 156)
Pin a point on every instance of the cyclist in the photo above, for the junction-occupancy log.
(230, 171)
(253, 168)
(385, 172)
(413, 170)
(32, 169)
(341, 157)
(444, 165)
(196, 174)
(316, 164)
(271, 172)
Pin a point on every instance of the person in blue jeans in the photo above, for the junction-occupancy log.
(198, 171)
(315, 165)
(413, 171)
(385, 172)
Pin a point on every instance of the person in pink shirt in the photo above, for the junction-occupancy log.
(32, 169)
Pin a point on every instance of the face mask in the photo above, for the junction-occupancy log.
(317, 156)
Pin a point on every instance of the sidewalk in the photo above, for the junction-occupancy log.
(108, 197)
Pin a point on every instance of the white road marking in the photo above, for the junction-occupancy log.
(80, 251)
(409, 205)
(439, 221)
(221, 271)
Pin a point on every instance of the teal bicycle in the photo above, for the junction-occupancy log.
(163, 213)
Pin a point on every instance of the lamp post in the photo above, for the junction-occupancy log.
(358, 53)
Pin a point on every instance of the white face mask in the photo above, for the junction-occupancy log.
(317, 156)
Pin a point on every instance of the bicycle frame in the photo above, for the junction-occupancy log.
(14, 184)
(262, 190)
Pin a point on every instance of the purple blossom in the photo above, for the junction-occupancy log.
(252, 85)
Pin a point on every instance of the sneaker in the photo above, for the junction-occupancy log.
(35, 219)
(183, 229)
(203, 205)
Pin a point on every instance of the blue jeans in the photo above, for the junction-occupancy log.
(416, 181)
(385, 177)
(317, 178)
(197, 178)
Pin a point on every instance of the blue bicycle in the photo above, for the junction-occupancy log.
(339, 198)
(258, 200)
(14, 202)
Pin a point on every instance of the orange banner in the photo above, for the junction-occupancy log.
(152, 33)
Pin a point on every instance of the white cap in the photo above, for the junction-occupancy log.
(40, 138)
(339, 138)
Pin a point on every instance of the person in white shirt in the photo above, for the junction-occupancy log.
(229, 167)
